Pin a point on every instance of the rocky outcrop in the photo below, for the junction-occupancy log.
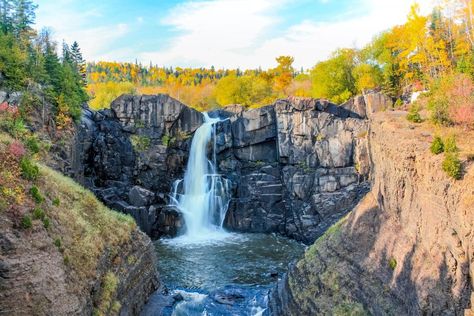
(131, 154)
(406, 249)
(296, 166)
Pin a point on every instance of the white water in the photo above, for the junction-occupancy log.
(203, 195)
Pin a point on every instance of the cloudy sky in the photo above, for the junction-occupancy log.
(223, 33)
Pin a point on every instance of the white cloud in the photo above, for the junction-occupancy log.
(219, 32)
(224, 33)
(228, 33)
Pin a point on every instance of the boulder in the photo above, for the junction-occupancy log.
(139, 196)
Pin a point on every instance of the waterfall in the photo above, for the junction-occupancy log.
(203, 195)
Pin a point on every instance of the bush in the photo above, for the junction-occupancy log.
(140, 143)
(35, 193)
(57, 242)
(452, 165)
(26, 222)
(46, 222)
(32, 144)
(450, 145)
(414, 114)
(38, 213)
(437, 146)
(29, 170)
(16, 149)
(56, 202)
(392, 263)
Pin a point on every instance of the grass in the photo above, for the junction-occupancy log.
(108, 292)
(87, 226)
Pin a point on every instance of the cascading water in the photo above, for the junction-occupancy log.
(203, 195)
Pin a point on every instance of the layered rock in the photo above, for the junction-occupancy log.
(406, 249)
(296, 166)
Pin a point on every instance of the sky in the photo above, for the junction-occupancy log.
(244, 34)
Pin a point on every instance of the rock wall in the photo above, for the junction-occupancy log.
(296, 166)
(406, 249)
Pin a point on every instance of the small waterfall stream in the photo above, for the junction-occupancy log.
(203, 195)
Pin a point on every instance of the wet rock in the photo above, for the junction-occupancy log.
(229, 296)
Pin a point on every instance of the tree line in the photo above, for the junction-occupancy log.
(426, 53)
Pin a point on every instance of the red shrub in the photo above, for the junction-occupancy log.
(17, 149)
(4, 106)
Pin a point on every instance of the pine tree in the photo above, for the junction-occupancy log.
(79, 61)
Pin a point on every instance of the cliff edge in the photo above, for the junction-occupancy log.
(406, 249)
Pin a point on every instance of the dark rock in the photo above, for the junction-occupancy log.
(139, 196)
(295, 166)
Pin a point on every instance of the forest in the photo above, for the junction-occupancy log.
(431, 54)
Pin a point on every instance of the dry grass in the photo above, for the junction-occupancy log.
(86, 227)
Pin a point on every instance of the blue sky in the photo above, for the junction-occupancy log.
(223, 33)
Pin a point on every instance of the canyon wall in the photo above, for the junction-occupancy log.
(296, 166)
(406, 249)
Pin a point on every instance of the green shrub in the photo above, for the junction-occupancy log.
(56, 202)
(15, 127)
(450, 145)
(26, 222)
(29, 170)
(35, 193)
(392, 263)
(32, 144)
(452, 165)
(57, 242)
(46, 222)
(38, 213)
(167, 140)
(437, 146)
(140, 142)
(414, 114)
(398, 104)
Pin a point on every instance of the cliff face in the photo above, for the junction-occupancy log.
(63, 252)
(296, 166)
(406, 249)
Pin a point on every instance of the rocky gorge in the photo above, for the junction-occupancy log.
(295, 166)
(389, 233)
